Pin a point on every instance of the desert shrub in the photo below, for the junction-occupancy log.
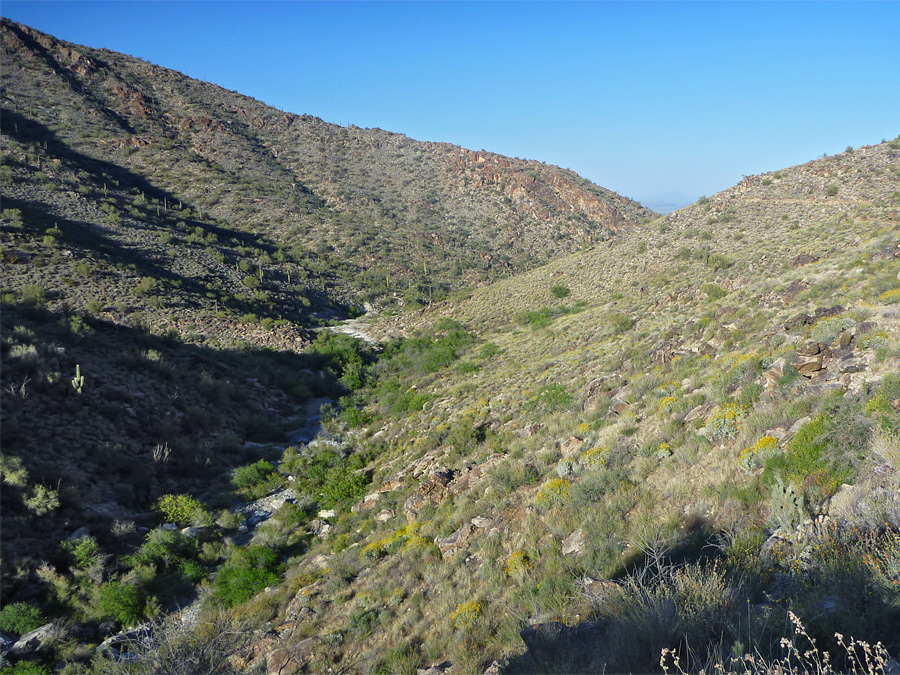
(512, 474)
(517, 565)
(755, 456)
(26, 668)
(179, 509)
(550, 398)
(20, 618)
(724, 422)
(123, 603)
(824, 453)
(617, 322)
(466, 615)
(714, 291)
(42, 500)
(32, 295)
(826, 330)
(167, 552)
(84, 551)
(146, 286)
(488, 350)
(253, 480)
(342, 486)
(260, 430)
(666, 606)
(890, 297)
(206, 646)
(559, 291)
(246, 573)
(554, 492)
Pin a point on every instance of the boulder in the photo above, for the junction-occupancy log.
(570, 446)
(79, 533)
(35, 640)
(808, 366)
(385, 515)
(451, 544)
(700, 411)
(801, 319)
(810, 348)
(804, 259)
(574, 543)
(320, 528)
(774, 373)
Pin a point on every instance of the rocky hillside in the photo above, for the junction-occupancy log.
(680, 441)
(670, 439)
(369, 214)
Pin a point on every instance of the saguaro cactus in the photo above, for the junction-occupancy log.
(78, 380)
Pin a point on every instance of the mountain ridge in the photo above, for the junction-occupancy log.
(669, 441)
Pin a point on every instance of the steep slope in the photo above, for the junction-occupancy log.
(718, 385)
(382, 216)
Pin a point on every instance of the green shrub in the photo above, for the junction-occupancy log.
(32, 295)
(146, 286)
(84, 551)
(254, 479)
(618, 323)
(550, 398)
(559, 291)
(179, 509)
(26, 668)
(123, 603)
(826, 330)
(488, 350)
(246, 573)
(20, 618)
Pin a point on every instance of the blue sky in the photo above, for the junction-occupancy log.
(658, 101)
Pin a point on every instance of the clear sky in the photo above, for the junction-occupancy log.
(658, 101)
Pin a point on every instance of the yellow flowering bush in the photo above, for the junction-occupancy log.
(466, 615)
(666, 403)
(890, 297)
(594, 458)
(517, 565)
(755, 456)
(553, 492)
(725, 420)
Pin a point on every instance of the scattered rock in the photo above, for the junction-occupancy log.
(696, 413)
(290, 659)
(35, 640)
(774, 373)
(619, 408)
(320, 528)
(327, 513)
(574, 543)
(570, 446)
(804, 259)
(801, 319)
(385, 515)
(79, 533)
(451, 544)
(481, 522)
